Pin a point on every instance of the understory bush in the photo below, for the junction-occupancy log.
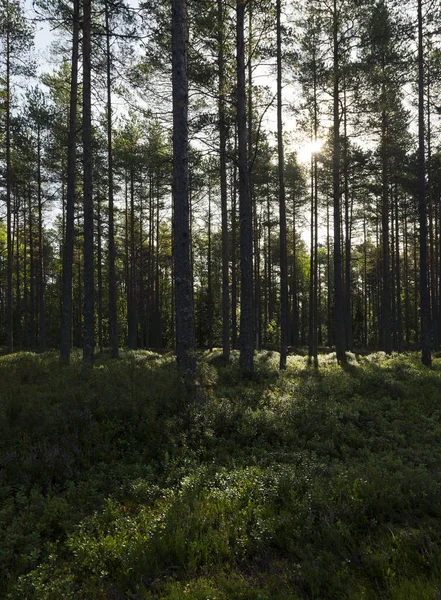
(314, 483)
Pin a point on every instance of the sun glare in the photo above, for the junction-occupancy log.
(305, 152)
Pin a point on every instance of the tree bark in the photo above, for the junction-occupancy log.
(89, 313)
(10, 264)
(422, 209)
(113, 311)
(338, 286)
(185, 330)
(68, 250)
(245, 207)
(284, 308)
(223, 185)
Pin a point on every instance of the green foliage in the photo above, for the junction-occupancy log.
(306, 484)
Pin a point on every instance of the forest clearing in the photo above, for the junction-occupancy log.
(310, 483)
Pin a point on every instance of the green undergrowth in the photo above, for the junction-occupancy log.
(310, 484)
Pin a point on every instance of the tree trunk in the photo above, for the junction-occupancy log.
(10, 264)
(223, 185)
(113, 312)
(338, 287)
(284, 309)
(185, 331)
(41, 299)
(422, 209)
(131, 308)
(89, 314)
(68, 250)
(246, 216)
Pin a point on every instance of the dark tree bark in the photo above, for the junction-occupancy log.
(245, 208)
(132, 321)
(348, 304)
(422, 209)
(209, 277)
(338, 284)
(284, 308)
(386, 329)
(89, 313)
(398, 276)
(10, 264)
(68, 250)
(223, 184)
(234, 256)
(185, 330)
(99, 273)
(41, 278)
(113, 313)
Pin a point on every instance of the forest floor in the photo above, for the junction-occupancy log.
(311, 484)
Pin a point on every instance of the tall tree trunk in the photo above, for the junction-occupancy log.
(209, 277)
(10, 264)
(284, 308)
(185, 330)
(89, 311)
(295, 296)
(41, 299)
(131, 308)
(348, 304)
(223, 184)
(18, 339)
(99, 274)
(386, 329)
(32, 331)
(338, 285)
(311, 267)
(422, 209)
(246, 213)
(68, 250)
(113, 312)
(398, 275)
(234, 255)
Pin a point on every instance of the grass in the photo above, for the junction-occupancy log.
(307, 484)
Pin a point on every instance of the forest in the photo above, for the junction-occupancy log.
(220, 299)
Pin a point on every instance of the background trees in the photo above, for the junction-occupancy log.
(326, 247)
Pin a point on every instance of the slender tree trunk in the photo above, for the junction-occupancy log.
(234, 256)
(10, 265)
(295, 296)
(131, 316)
(315, 281)
(284, 308)
(41, 299)
(113, 311)
(386, 329)
(185, 330)
(32, 330)
(348, 304)
(432, 242)
(398, 272)
(25, 279)
(406, 281)
(89, 311)
(246, 213)
(422, 209)
(311, 267)
(100, 275)
(338, 285)
(68, 250)
(18, 339)
(223, 184)
(209, 274)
